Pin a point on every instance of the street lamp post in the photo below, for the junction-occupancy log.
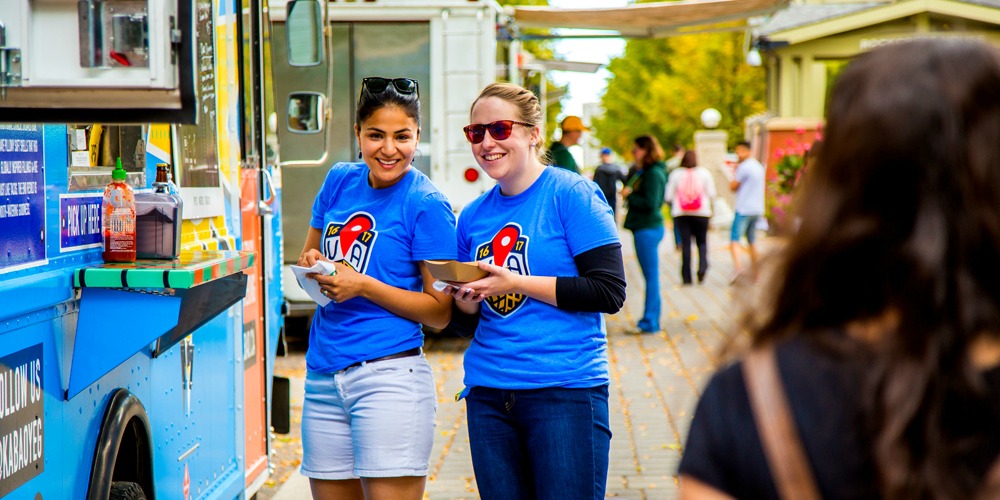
(710, 146)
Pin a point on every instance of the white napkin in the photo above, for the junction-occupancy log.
(311, 286)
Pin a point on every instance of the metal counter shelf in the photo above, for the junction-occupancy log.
(155, 304)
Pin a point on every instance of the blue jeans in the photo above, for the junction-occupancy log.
(646, 243)
(539, 444)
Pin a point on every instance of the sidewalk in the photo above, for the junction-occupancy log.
(655, 383)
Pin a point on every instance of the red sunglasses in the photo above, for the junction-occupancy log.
(499, 130)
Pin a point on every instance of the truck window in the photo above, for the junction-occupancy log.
(410, 57)
(93, 149)
(306, 112)
(305, 33)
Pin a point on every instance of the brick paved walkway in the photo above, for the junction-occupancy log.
(656, 380)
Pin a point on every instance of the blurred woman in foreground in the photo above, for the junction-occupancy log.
(881, 337)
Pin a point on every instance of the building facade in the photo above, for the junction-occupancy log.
(807, 44)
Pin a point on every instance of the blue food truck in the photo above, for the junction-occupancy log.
(149, 379)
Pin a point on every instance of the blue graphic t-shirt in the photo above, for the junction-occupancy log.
(523, 343)
(383, 233)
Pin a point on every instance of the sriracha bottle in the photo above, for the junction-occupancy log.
(118, 218)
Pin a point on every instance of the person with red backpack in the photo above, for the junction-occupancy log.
(690, 191)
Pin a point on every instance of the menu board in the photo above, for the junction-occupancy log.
(199, 173)
(22, 196)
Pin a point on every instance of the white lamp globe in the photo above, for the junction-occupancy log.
(710, 118)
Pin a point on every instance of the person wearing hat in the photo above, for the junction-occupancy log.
(572, 129)
(607, 175)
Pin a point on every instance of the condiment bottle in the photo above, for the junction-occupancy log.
(118, 218)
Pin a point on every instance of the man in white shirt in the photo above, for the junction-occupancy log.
(748, 184)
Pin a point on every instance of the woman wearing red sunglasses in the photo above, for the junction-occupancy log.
(536, 373)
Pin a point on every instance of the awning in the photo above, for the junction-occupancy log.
(576, 66)
(647, 20)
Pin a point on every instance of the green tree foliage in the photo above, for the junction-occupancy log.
(626, 102)
(661, 86)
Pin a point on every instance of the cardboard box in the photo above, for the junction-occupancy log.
(453, 271)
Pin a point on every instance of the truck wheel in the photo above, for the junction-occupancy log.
(124, 490)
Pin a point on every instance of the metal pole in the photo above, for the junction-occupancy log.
(3, 62)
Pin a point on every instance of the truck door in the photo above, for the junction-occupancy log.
(256, 199)
(356, 50)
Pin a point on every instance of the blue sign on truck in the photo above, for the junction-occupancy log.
(79, 221)
(22, 418)
(22, 195)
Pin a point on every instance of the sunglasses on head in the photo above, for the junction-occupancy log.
(499, 130)
(377, 84)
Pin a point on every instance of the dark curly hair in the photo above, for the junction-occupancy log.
(901, 221)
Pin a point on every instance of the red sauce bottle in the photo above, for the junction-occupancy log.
(118, 218)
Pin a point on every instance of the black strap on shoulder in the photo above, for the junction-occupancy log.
(782, 444)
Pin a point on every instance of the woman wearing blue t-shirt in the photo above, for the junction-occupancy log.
(368, 417)
(536, 373)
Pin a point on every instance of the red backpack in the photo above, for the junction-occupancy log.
(689, 191)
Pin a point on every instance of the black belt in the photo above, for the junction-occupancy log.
(403, 354)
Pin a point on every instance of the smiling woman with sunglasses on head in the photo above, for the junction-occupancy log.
(536, 373)
(377, 84)
(368, 417)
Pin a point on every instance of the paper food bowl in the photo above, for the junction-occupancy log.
(454, 271)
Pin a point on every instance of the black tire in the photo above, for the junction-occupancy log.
(124, 490)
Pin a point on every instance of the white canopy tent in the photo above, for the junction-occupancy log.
(649, 20)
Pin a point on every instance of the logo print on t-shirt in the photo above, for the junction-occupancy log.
(351, 241)
(508, 248)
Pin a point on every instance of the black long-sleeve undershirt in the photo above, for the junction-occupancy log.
(600, 287)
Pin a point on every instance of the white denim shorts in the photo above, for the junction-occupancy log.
(373, 420)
